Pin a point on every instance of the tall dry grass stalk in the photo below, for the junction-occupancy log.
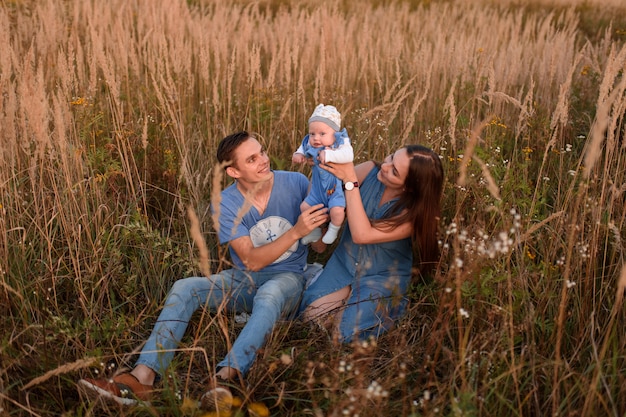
(196, 234)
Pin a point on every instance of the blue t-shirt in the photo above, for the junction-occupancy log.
(281, 214)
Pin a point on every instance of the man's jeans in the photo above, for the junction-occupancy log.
(264, 295)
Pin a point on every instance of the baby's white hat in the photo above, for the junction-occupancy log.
(328, 115)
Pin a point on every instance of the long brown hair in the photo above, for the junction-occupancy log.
(420, 205)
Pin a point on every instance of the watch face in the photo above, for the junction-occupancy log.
(349, 186)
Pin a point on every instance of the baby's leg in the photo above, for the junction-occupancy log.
(337, 216)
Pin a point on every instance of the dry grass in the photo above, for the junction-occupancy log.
(111, 112)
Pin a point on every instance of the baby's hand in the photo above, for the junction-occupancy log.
(321, 156)
(298, 158)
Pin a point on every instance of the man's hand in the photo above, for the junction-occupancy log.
(298, 158)
(311, 218)
(321, 156)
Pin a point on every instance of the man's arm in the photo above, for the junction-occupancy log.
(258, 258)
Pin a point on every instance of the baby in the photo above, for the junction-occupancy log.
(326, 142)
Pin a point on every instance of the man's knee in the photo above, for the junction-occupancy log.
(180, 289)
(188, 289)
(284, 292)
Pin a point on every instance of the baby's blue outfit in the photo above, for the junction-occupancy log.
(325, 187)
(378, 273)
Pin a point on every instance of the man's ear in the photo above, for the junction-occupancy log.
(232, 172)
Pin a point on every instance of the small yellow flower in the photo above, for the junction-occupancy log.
(527, 151)
(225, 413)
(189, 406)
(258, 410)
(530, 255)
(79, 101)
(496, 121)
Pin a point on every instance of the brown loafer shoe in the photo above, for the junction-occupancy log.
(123, 389)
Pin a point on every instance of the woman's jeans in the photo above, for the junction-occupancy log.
(265, 295)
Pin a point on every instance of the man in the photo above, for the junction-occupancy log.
(259, 216)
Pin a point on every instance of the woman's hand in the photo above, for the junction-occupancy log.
(345, 172)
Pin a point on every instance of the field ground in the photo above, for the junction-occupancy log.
(111, 112)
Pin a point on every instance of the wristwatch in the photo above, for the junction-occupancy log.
(350, 185)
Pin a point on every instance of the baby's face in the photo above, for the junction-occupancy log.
(321, 135)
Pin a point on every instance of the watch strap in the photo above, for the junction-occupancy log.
(355, 184)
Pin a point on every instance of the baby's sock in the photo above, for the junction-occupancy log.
(331, 234)
(314, 236)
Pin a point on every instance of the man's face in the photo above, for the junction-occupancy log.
(250, 162)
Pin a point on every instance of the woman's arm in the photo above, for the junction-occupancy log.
(362, 230)
(341, 155)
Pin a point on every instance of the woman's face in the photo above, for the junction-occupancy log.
(394, 169)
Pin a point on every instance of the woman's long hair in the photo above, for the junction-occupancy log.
(420, 204)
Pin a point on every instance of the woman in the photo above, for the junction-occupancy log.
(393, 210)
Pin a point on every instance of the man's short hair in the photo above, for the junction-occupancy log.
(228, 145)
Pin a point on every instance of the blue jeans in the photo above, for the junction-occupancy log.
(265, 295)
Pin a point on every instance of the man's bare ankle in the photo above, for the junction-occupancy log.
(227, 374)
(144, 375)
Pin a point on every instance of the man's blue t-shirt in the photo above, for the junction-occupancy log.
(281, 214)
